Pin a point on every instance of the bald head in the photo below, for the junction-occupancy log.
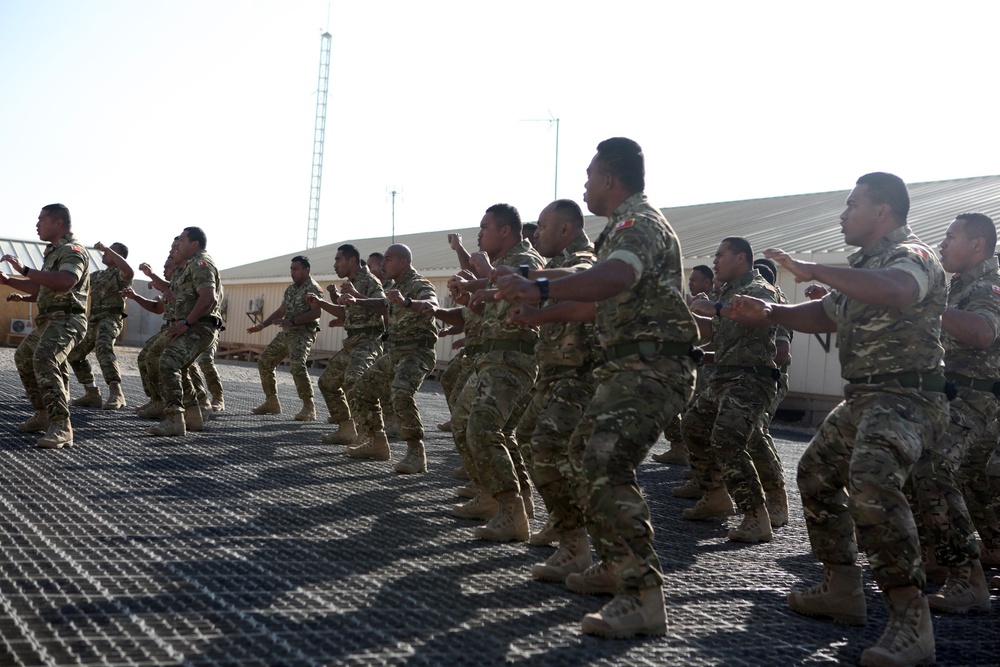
(397, 261)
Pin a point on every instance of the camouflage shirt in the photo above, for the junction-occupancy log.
(473, 327)
(737, 344)
(975, 291)
(105, 293)
(568, 343)
(653, 308)
(199, 273)
(66, 254)
(296, 305)
(495, 325)
(170, 305)
(359, 317)
(405, 324)
(880, 339)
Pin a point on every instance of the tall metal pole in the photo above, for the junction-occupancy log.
(394, 193)
(555, 189)
(319, 134)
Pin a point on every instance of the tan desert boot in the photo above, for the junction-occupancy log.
(171, 425)
(460, 473)
(572, 556)
(840, 597)
(964, 591)
(546, 536)
(908, 638)
(481, 508)
(713, 504)
(689, 489)
(415, 460)
(628, 615)
(38, 423)
(219, 404)
(598, 579)
(193, 419)
(676, 455)
(346, 434)
(777, 507)
(755, 527)
(308, 411)
(445, 426)
(270, 406)
(510, 524)
(154, 411)
(116, 399)
(377, 448)
(59, 435)
(91, 399)
(470, 490)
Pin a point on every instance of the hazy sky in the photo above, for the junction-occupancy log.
(144, 117)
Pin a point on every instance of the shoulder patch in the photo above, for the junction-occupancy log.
(76, 248)
(202, 263)
(624, 224)
(996, 289)
(920, 252)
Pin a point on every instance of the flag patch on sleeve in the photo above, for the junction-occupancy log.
(625, 224)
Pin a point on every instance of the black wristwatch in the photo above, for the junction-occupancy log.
(543, 288)
(524, 270)
(186, 323)
(408, 302)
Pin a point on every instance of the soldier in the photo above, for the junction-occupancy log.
(107, 317)
(408, 359)
(718, 426)
(158, 306)
(60, 287)
(886, 309)
(565, 352)
(297, 317)
(647, 334)
(699, 282)
(173, 268)
(505, 371)
(198, 306)
(361, 347)
(972, 363)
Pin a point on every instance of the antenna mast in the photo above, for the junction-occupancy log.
(322, 88)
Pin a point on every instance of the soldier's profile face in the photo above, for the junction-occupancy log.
(698, 282)
(185, 247)
(728, 266)
(858, 221)
(956, 249)
(595, 187)
(375, 266)
(341, 265)
(392, 265)
(49, 229)
(299, 272)
(547, 236)
(490, 239)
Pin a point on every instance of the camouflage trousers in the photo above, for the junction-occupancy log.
(206, 362)
(41, 361)
(344, 370)
(635, 397)
(852, 478)
(717, 430)
(761, 446)
(100, 338)
(672, 432)
(153, 342)
(485, 407)
(398, 373)
(979, 479)
(294, 343)
(943, 520)
(556, 407)
(455, 373)
(169, 365)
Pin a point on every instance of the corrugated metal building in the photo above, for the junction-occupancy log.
(807, 225)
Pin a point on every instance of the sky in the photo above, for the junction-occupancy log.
(148, 116)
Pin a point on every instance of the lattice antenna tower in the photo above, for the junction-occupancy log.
(319, 134)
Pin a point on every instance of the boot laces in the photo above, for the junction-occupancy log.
(957, 583)
(900, 632)
(621, 605)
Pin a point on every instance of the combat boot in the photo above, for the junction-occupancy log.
(935, 573)
(676, 455)
(375, 448)
(546, 536)
(713, 504)
(755, 527)
(91, 399)
(59, 435)
(840, 597)
(460, 473)
(470, 490)
(639, 613)
(219, 404)
(308, 411)
(988, 557)
(598, 579)
(193, 419)
(415, 460)
(38, 423)
(572, 556)
(153, 411)
(777, 507)
(689, 489)
(171, 425)
(510, 524)
(346, 434)
(964, 591)
(908, 638)
(445, 426)
(270, 406)
(482, 508)
(116, 399)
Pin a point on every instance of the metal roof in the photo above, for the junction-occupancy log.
(800, 224)
(31, 254)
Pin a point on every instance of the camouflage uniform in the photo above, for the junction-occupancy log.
(60, 325)
(851, 476)
(206, 362)
(399, 372)
(466, 369)
(646, 332)
(718, 426)
(177, 354)
(362, 346)
(293, 342)
(149, 373)
(107, 315)
(565, 352)
(971, 432)
(505, 372)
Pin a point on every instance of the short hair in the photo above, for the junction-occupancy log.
(764, 261)
(766, 272)
(59, 212)
(303, 260)
(623, 159)
(528, 228)
(979, 225)
(570, 210)
(738, 245)
(349, 251)
(705, 271)
(120, 248)
(196, 234)
(506, 216)
(885, 188)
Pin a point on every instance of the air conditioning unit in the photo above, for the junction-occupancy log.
(23, 327)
